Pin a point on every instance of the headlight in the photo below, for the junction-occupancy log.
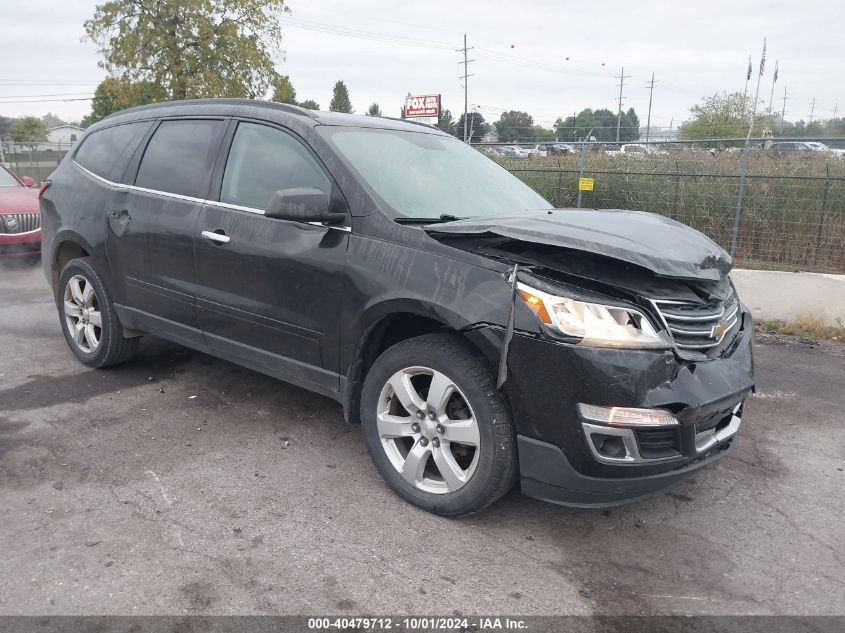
(595, 324)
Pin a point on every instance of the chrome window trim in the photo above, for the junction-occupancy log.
(177, 196)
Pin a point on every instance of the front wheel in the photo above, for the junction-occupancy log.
(88, 317)
(436, 427)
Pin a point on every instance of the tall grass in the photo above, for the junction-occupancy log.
(792, 216)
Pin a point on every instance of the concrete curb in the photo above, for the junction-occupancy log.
(789, 296)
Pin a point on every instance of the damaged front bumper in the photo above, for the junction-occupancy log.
(568, 459)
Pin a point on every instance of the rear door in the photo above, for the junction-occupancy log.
(269, 291)
(151, 235)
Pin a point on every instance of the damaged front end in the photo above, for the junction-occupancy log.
(626, 371)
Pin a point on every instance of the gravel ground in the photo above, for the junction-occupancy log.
(181, 484)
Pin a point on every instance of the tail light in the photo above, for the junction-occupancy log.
(44, 186)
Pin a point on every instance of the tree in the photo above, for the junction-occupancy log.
(6, 127)
(447, 123)
(29, 129)
(340, 98)
(476, 127)
(599, 123)
(310, 104)
(283, 90)
(514, 126)
(191, 48)
(51, 120)
(374, 110)
(724, 115)
(115, 93)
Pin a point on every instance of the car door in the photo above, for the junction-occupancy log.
(151, 232)
(269, 291)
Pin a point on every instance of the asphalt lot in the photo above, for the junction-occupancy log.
(183, 484)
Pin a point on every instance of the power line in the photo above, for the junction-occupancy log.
(621, 79)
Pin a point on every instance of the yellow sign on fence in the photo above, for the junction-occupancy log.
(585, 184)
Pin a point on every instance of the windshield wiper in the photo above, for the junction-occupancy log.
(444, 217)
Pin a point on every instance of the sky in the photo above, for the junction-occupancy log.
(549, 58)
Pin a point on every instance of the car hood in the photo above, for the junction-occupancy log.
(18, 200)
(665, 247)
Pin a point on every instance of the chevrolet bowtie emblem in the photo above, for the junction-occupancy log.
(719, 330)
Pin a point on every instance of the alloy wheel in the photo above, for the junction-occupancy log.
(428, 430)
(82, 314)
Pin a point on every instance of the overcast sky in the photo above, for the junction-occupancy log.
(547, 57)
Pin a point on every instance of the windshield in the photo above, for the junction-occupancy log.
(7, 180)
(421, 175)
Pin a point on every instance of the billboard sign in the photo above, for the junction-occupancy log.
(423, 107)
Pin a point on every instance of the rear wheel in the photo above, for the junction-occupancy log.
(88, 317)
(436, 427)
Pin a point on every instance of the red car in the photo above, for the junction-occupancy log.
(20, 218)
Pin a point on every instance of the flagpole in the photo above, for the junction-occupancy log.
(743, 168)
(747, 77)
(772, 93)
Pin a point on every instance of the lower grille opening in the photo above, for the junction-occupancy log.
(610, 446)
(659, 443)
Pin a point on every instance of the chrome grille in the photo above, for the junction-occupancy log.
(699, 327)
(12, 223)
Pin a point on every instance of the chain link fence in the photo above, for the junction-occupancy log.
(791, 212)
(37, 165)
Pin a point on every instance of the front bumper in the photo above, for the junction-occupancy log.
(558, 458)
(20, 244)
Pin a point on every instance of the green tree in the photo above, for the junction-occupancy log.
(541, 134)
(599, 123)
(116, 93)
(283, 90)
(514, 126)
(51, 120)
(192, 48)
(447, 123)
(340, 98)
(374, 110)
(477, 127)
(310, 104)
(29, 129)
(724, 115)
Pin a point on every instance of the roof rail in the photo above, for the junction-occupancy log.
(272, 105)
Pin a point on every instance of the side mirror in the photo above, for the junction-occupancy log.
(302, 204)
(27, 181)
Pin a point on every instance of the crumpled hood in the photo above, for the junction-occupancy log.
(18, 200)
(655, 242)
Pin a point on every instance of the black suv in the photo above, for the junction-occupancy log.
(479, 335)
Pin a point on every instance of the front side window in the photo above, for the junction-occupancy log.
(421, 175)
(262, 161)
(178, 155)
(107, 152)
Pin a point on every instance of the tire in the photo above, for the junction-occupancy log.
(464, 390)
(83, 298)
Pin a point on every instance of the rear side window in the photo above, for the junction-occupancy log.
(263, 160)
(178, 156)
(108, 152)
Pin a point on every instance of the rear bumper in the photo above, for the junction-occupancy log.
(20, 244)
(547, 475)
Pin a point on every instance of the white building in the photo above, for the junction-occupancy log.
(64, 136)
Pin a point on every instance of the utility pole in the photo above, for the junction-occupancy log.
(812, 110)
(650, 85)
(621, 79)
(783, 112)
(835, 108)
(466, 77)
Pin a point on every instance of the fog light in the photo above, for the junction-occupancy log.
(624, 416)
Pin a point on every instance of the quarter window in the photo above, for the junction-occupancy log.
(178, 155)
(107, 152)
(263, 160)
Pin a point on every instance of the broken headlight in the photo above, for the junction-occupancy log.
(595, 324)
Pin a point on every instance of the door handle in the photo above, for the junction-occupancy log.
(220, 238)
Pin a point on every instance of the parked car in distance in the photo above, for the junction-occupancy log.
(560, 149)
(637, 149)
(20, 219)
(817, 146)
(479, 336)
(538, 150)
(791, 147)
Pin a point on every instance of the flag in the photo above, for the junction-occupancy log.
(776, 73)
(749, 69)
(763, 58)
